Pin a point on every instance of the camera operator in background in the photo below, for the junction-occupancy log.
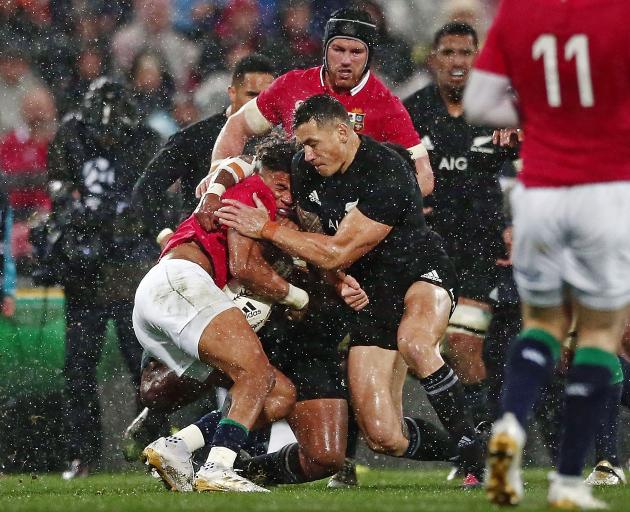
(7, 265)
(100, 250)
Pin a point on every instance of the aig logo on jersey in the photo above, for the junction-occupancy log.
(452, 163)
(357, 118)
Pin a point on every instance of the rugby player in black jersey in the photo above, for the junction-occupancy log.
(367, 200)
(465, 207)
(188, 153)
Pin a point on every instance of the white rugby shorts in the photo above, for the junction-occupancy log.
(174, 303)
(573, 240)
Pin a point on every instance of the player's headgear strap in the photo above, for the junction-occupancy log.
(346, 23)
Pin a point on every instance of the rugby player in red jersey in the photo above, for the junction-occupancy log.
(571, 248)
(181, 317)
(349, 42)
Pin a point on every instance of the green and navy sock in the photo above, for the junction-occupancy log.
(531, 362)
(590, 381)
(230, 434)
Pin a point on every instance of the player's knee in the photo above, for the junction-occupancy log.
(281, 400)
(420, 348)
(383, 438)
(330, 459)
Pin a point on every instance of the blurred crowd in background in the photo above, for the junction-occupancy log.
(177, 56)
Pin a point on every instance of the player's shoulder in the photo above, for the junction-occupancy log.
(422, 99)
(386, 158)
(378, 90)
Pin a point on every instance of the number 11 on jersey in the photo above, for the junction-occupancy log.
(546, 46)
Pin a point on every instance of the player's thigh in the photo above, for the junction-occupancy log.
(597, 264)
(538, 243)
(424, 321)
(229, 344)
(371, 378)
(321, 428)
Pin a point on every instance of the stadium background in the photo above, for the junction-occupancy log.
(56, 47)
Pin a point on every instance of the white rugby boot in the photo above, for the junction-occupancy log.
(571, 493)
(605, 473)
(504, 480)
(213, 477)
(173, 462)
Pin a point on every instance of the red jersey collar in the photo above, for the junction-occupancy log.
(355, 90)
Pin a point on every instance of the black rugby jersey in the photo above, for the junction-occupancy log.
(383, 187)
(186, 156)
(467, 200)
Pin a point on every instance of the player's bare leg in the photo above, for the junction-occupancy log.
(374, 389)
(371, 379)
(423, 325)
(228, 344)
(320, 427)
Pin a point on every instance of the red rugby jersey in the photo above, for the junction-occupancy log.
(214, 243)
(569, 63)
(372, 107)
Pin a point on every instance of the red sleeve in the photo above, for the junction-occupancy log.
(397, 126)
(244, 192)
(268, 101)
(491, 57)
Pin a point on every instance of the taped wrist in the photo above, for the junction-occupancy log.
(296, 298)
(236, 166)
(215, 188)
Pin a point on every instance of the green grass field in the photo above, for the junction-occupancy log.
(380, 491)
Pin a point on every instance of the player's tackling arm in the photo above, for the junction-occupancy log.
(357, 235)
(248, 265)
(424, 173)
(239, 128)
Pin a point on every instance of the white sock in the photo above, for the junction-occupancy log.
(221, 456)
(192, 437)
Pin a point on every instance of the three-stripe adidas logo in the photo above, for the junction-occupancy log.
(249, 310)
(314, 198)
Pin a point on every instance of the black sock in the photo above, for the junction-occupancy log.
(588, 386)
(446, 395)
(353, 436)
(208, 425)
(230, 434)
(258, 441)
(606, 445)
(531, 361)
(427, 442)
(281, 467)
(476, 400)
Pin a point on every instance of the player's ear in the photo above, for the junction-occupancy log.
(342, 132)
(232, 93)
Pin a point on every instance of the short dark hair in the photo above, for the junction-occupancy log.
(252, 63)
(455, 28)
(276, 153)
(321, 108)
